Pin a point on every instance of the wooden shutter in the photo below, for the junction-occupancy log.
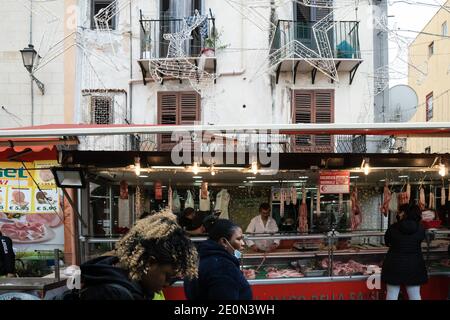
(189, 108)
(176, 108)
(313, 106)
(324, 114)
(189, 111)
(167, 114)
(303, 113)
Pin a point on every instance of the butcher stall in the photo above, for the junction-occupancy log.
(334, 266)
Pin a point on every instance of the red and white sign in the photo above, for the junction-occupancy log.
(334, 182)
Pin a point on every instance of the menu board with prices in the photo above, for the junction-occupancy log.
(45, 200)
(2, 199)
(19, 200)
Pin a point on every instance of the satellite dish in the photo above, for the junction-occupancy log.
(402, 103)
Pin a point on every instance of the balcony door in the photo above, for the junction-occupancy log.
(305, 17)
(171, 17)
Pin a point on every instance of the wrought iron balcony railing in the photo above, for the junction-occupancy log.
(343, 37)
(155, 46)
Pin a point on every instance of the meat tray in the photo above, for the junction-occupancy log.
(314, 273)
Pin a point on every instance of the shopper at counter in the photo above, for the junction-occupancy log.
(404, 263)
(7, 257)
(219, 276)
(148, 258)
(192, 222)
(263, 223)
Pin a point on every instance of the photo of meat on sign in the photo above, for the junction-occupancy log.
(46, 175)
(27, 232)
(18, 198)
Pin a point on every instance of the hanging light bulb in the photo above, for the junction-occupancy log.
(137, 166)
(442, 170)
(213, 171)
(195, 168)
(366, 169)
(254, 167)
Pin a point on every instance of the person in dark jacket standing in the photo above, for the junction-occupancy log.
(149, 257)
(404, 263)
(219, 275)
(7, 257)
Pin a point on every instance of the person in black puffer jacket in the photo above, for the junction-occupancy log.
(219, 276)
(404, 263)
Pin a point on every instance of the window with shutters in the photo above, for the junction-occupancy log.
(177, 108)
(313, 106)
(102, 110)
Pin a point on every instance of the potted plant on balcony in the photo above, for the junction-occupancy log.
(212, 43)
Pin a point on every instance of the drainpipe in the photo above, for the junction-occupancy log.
(31, 79)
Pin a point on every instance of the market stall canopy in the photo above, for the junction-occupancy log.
(287, 161)
(409, 129)
(30, 149)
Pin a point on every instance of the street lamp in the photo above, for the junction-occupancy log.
(30, 57)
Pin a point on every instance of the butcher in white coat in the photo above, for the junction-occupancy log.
(263, 223)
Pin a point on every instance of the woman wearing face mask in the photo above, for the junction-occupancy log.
(219, 275)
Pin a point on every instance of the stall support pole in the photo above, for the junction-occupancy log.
(57, 274)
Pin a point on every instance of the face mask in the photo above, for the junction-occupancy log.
(236, 253)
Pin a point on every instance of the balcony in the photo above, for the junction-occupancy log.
(343, 38)
(165, 58)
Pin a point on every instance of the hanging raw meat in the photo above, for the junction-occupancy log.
(294, 195)
(393, 204)
(204, 190)
(431, 203)
(282, 198)
(303, 214)
(386, 199)
(403, 198)
(340, 203)
(448, 198)
(170, 199)
(356, 217)
(443, 196)
(422, 198)
(408, 191)
(287, 196)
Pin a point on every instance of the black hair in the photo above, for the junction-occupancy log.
(413, 213)
(219, 228)
(403, 207)
(264, 206)
(188, 211)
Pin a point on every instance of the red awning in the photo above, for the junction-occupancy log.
(31, 149)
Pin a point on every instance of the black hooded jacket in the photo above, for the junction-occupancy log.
(102, 280)
(404, 263)
(219, 276)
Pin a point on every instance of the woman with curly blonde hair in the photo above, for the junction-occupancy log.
(149, 257)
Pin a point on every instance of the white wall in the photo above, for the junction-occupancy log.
(15, 87)
(354, 103)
